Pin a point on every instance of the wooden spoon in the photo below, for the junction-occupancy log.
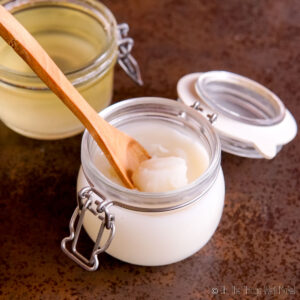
(123, 152)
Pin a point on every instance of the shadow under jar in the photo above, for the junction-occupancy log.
(145, 228)
(81, 37)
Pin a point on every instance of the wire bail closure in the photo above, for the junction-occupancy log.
(125, 59)
(100, 209)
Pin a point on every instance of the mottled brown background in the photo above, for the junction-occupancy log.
(257, 242)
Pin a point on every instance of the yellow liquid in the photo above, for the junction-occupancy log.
(74, 40)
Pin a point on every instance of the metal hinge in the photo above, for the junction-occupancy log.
(211, 116)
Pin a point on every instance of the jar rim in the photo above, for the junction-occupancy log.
(137, 200)
(93, 68)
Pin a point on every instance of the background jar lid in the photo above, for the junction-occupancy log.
(250, 120)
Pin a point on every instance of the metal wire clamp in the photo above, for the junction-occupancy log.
(125, 59)
(99, 207)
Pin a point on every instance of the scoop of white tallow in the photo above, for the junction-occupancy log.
(161, 174)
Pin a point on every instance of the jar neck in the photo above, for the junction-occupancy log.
(171, 111)
(91, 70)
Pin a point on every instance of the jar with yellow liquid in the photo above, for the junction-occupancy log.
(84, 40)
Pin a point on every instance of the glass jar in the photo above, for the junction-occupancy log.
(141, 228)
(82, 37)
(161, 228)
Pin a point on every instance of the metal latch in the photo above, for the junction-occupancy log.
(125, 59)
(99, 207)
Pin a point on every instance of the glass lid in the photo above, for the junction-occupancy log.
(251, 121)
(239, 98)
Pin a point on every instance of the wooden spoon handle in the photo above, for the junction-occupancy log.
(122, 151)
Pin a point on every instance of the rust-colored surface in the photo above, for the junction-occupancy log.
(255, 251)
